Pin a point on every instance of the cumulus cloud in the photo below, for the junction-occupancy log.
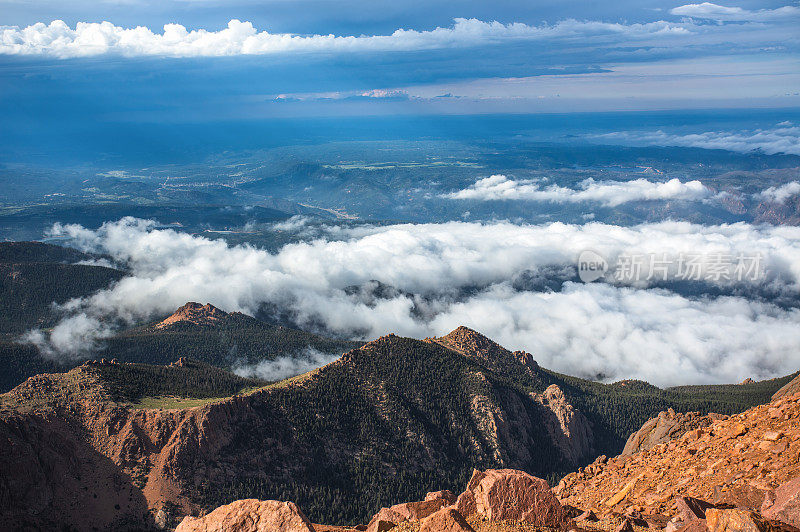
(58, 39)
(608, 193)
(285, 366)
(707, 10)
(73, 337)
(780, 194)
(511, 282)
(784, 138)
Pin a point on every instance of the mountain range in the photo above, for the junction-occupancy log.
(127, 445)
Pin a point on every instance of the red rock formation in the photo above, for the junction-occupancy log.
(790, 388)
(445, 520)
(734, 461)
(194, 313)
(666, 426)
(507, 494)
(783, 504)
(250, 515)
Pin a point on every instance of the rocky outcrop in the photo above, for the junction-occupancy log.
(667, 426)
(783, 504)
(250, 515)
(568, 428)
(474, 345)
(507, 494)
(790, 388)
(408, 511)
(445, 520)
(734, 462)
(194, 313)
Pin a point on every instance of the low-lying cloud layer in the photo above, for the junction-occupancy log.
(515, 283)
(285, 366)
(780, 194)
(783, 138)
(607, 193)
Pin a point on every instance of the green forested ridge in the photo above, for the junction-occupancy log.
(236, 338)
(401, 409)
(20, 252)
(33, 276)
(133, 382)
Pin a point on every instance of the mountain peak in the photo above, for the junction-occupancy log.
(195, 313)
(473, 344)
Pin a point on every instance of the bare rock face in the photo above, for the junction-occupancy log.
(507, 494)
(691, 509)
(735, 520)
(445, 520)
(734, 462)
(194, 313)
(465, 503)
(250, 515)
(569, 429)
(667, 426)
(784, 503)
(444, 495)
(400, 513)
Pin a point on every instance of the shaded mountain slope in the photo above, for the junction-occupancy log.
(34, 275)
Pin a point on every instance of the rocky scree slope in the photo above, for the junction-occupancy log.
(737, 460)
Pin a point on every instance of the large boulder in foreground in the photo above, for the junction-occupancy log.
(784, 503)
(445, 520)
(387, 518)
(250, 515)
(508, 494)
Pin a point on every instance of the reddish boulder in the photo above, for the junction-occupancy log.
(747, 497)
(735, 520)
(444, 495)
(385, 519)
(697, 525)
(690, 508)
(400, 513)
(250, 515)
(784, 503)
(465, 503)
(418, 510)
(507, 494)
(445, 520)
(624, 526)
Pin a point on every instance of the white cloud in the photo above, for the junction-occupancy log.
(286, 366)
(443, 275)
(784, 138)
(57, 39)
(780, 194)
(608, 193)
(707, 10)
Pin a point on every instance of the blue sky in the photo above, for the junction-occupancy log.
(116, 61)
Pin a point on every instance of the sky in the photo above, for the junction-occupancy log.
(204, 61)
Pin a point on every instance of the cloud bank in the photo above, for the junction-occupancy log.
(57, 39)
(707, 10)
(784, 138)
(511, 282)
(780, 194)
(607, 193)
(287, 366)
